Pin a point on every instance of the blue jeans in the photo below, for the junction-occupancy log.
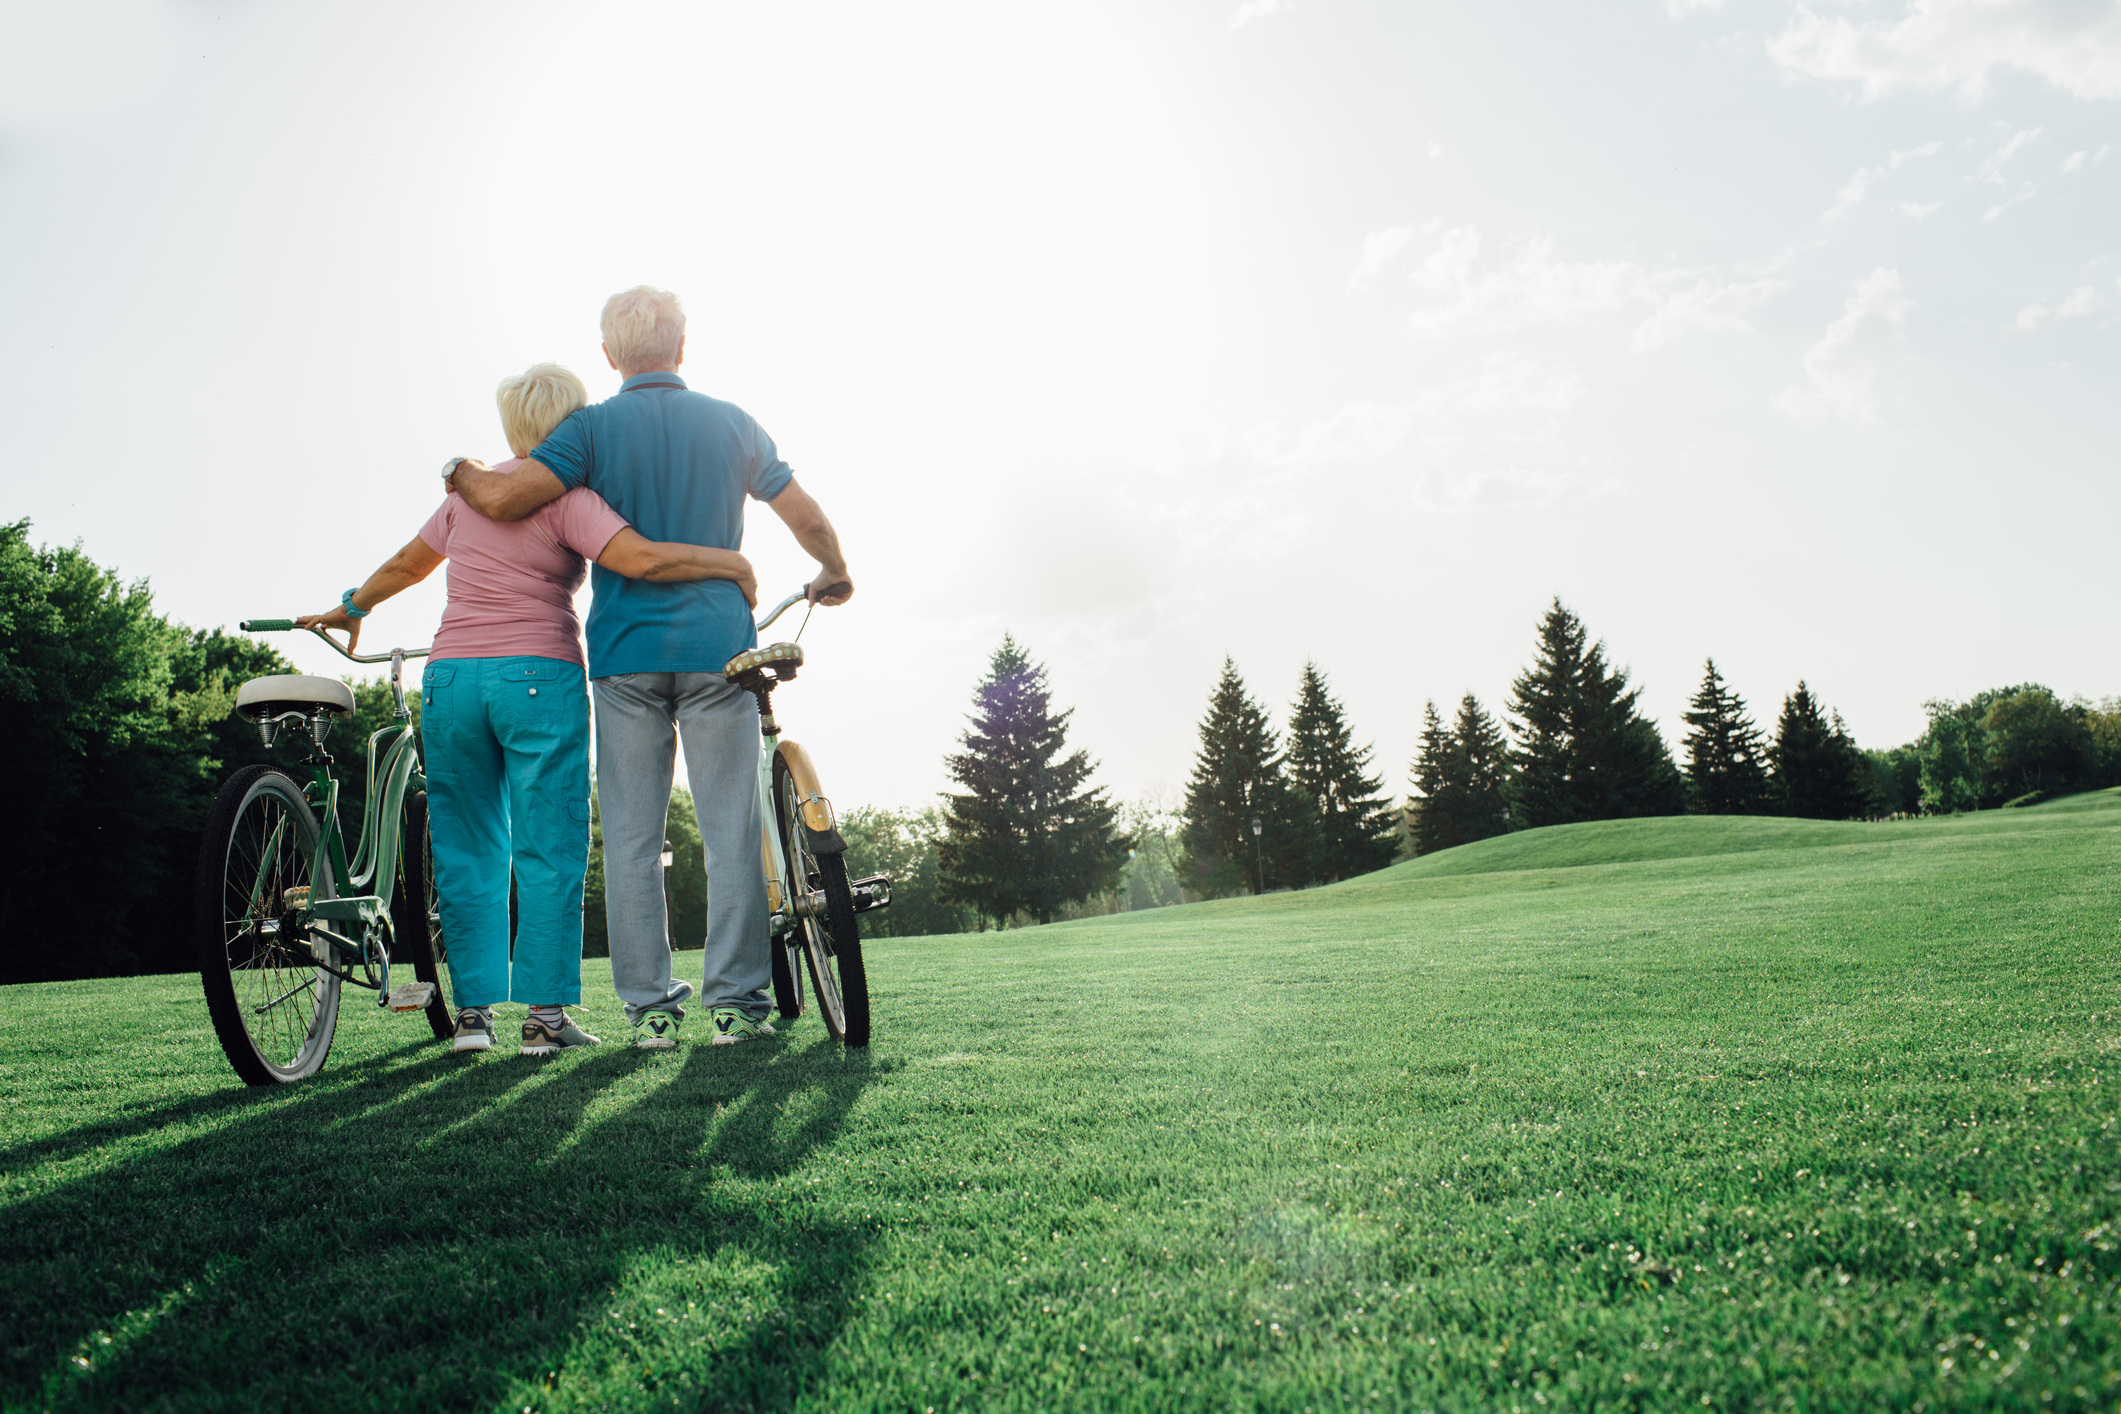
(507, 744)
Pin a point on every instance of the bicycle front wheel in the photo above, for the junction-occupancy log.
(274, 1009)
(830, 935)
(416, 916)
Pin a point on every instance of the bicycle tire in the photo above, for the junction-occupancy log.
(416, 916)
(261, 839)
(832, 944)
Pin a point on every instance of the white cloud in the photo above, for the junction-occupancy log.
(2082, 301)
(1846, 366)
(2073, 162)
(1704, 305)
(2026, 194)
(1991, 168)
(1919, 212)
(1958, 44)
(1514, 489)
(1532, 285)
(1443, 416)
(1852, 194)
(1378, 249)
(1256, 10)
(1435, 151)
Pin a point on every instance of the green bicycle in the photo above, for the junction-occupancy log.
(284, 916)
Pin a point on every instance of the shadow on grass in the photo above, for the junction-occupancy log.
(439, 1235)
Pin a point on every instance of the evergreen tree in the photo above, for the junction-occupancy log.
(1028, 835)
(1432, 819)
(1583, 751)
(1354, 822)
(1819, 773)
(1237, 778)
(1485, 752)
(1724, 749)
(1462, 773)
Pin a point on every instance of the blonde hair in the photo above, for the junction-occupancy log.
(642, 328)
(535, 401)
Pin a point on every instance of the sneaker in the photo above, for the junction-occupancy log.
(542, 1040)
(655, 1031)
(474, 1030)
(732, 1026)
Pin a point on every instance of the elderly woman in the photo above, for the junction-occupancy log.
(505, 720)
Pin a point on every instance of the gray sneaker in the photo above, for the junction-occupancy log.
(474, 1030)
(540, 1039)
(656, 1031)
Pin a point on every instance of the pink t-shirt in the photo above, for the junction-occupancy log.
(512, 584)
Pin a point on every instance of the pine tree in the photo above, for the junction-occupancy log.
(1029, 834)
(1354, 822)
(1485, 752)
(1583, 751)
(1432, 815)
(1237, 778)
(1816, 764)
(1462, 773)
(1724, 750)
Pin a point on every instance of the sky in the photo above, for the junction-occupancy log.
(1149, 333)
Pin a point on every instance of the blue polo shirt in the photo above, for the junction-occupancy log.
(678, 465)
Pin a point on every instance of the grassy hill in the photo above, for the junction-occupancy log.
(1658, 1114)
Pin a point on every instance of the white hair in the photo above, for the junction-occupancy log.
(642, 328)
(535, 401)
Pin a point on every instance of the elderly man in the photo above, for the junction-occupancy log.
(677, 465)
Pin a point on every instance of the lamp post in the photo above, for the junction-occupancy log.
(1259, 862)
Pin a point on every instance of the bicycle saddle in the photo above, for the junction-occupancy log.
(293, 692)
(765, 666)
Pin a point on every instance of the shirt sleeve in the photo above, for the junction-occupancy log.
(584, 523)
(436, 532)
(570, 452)
(765, 474)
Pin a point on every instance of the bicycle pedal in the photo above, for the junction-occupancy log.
(413, 996)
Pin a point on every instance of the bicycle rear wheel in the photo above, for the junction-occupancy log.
(273, 1008)
(831, 937)
(416, 916)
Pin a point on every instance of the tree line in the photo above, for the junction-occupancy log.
(1577, 749)
(117, 726)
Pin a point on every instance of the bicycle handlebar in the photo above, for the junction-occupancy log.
(288, 625)
(800, 596)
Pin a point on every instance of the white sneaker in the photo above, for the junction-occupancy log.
(474, 1030)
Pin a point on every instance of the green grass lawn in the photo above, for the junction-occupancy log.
(1666, 1114)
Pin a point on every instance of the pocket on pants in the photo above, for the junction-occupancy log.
(432, 682)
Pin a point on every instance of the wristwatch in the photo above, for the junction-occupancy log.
(449, 469)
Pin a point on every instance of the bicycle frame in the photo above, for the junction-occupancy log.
(358, 885)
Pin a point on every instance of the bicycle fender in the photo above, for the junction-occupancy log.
(819, 823)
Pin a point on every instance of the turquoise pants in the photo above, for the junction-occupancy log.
(507, 746)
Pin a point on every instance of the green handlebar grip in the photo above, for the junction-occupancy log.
(266, 625)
